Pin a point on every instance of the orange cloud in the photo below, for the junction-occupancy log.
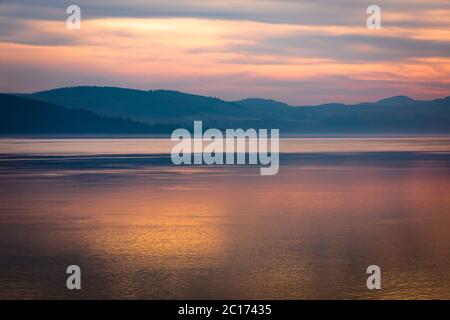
(183, 53)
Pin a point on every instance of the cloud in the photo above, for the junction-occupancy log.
(297, 51)
(353, 47)
(320, 12)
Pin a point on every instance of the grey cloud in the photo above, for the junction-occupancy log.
(19, 31)
(320, 12)
(345, 47)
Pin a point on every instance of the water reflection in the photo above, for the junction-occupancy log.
(145, 229)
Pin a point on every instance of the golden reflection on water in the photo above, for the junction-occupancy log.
(159, 226)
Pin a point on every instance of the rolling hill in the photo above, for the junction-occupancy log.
(169, 109)
(20, 115)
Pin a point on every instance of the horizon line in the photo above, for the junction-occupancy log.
(216, 97)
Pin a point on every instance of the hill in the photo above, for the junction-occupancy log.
(20, 115)
(395, 115)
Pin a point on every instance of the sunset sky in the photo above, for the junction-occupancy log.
(300, 52)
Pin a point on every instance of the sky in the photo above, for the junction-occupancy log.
(299, 52)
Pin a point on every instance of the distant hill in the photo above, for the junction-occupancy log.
(157, 106)
(395, 115)
(263, 104)
(20, 115)
(396, 101)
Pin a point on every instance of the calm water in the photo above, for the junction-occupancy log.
(140, 227)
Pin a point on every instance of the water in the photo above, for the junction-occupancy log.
(140, 227)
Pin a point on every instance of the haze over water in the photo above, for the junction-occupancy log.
(140, 227)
